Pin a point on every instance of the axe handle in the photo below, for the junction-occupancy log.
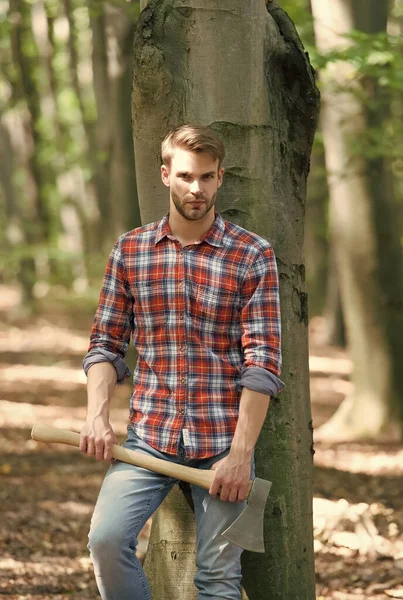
(201, 477)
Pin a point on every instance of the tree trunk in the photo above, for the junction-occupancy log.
(57, 80)
(102, 147)
(14, 230)
(364, 237)
(123, 174)
(26, 58)
(170, 560)
(334, 331)
(242, 71)
(90, 211)
(316, 237)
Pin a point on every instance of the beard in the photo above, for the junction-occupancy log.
(192, 213)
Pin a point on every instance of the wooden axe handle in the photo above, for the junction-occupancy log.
(200, 477)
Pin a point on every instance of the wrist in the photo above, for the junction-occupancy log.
(100, 410)
(241, 452)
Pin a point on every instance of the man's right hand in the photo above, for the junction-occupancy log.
(97, 438)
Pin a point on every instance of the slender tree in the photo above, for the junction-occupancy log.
(124, 200)
(242, 70)
(27, 60)
(363, 229)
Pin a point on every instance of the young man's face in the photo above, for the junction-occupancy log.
(193, 179)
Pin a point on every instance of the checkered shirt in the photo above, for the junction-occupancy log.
(205, 321)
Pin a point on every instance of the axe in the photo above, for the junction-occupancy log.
(247, 529)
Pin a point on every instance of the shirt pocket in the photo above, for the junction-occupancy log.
(150, 304)
(214, 309)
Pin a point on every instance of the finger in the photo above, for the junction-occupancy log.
(90, 447)
(108, 452)
(99, 449)
(214, 488)
(233, 495)
(224, 494)
(83, 443)
(243, 490)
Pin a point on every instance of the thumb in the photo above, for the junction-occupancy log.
(216, 465)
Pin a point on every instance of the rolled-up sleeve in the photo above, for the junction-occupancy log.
(261, 326)
(113, 321)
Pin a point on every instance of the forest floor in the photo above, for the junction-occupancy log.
(47, 492)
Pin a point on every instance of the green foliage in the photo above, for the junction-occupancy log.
(300, 15)
(378, 56)
(377, 80)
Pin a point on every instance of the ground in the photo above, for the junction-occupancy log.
(47, 491)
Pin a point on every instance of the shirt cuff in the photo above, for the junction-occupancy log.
(98, 355)
(261, 380)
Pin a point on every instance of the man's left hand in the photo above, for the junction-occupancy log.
(233, 477)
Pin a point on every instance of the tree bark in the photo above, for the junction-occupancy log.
(242, 71)
(364, 238)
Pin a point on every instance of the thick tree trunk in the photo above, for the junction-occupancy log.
(170, 560)
(242, 71)
(364, 238)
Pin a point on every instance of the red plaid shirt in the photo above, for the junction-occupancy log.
(205, 321)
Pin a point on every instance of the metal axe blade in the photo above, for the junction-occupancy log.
(247, 530)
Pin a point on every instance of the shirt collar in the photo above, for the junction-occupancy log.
(214, 235)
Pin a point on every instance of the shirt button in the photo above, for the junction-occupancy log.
(181, 411)
(182, 348)
(181, 316)
(183, 380)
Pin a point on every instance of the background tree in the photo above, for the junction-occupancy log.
(267, 123)
(65, 114)
(363, 220)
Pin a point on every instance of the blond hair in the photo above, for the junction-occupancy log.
(194, 138)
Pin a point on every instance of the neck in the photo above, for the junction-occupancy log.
(188, 232)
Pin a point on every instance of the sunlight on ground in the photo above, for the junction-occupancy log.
(331, 383)
(23, 415)
(358, 544)
(327, 364)
(345, 529)
(44, 566)
(33, 373)
(43, 338)
(369, 459)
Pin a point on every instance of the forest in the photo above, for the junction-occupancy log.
(307, 96)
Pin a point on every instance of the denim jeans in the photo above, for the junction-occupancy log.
(129, 496)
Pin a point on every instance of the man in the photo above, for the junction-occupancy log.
(199, 296)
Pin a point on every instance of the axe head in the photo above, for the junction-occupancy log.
(247, 530)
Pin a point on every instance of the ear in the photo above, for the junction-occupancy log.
(165, 175)
(220, 177)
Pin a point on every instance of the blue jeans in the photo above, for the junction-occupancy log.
(129, 496)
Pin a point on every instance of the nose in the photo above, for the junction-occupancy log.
(195, 188)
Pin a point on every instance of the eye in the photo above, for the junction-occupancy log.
(208, 176)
